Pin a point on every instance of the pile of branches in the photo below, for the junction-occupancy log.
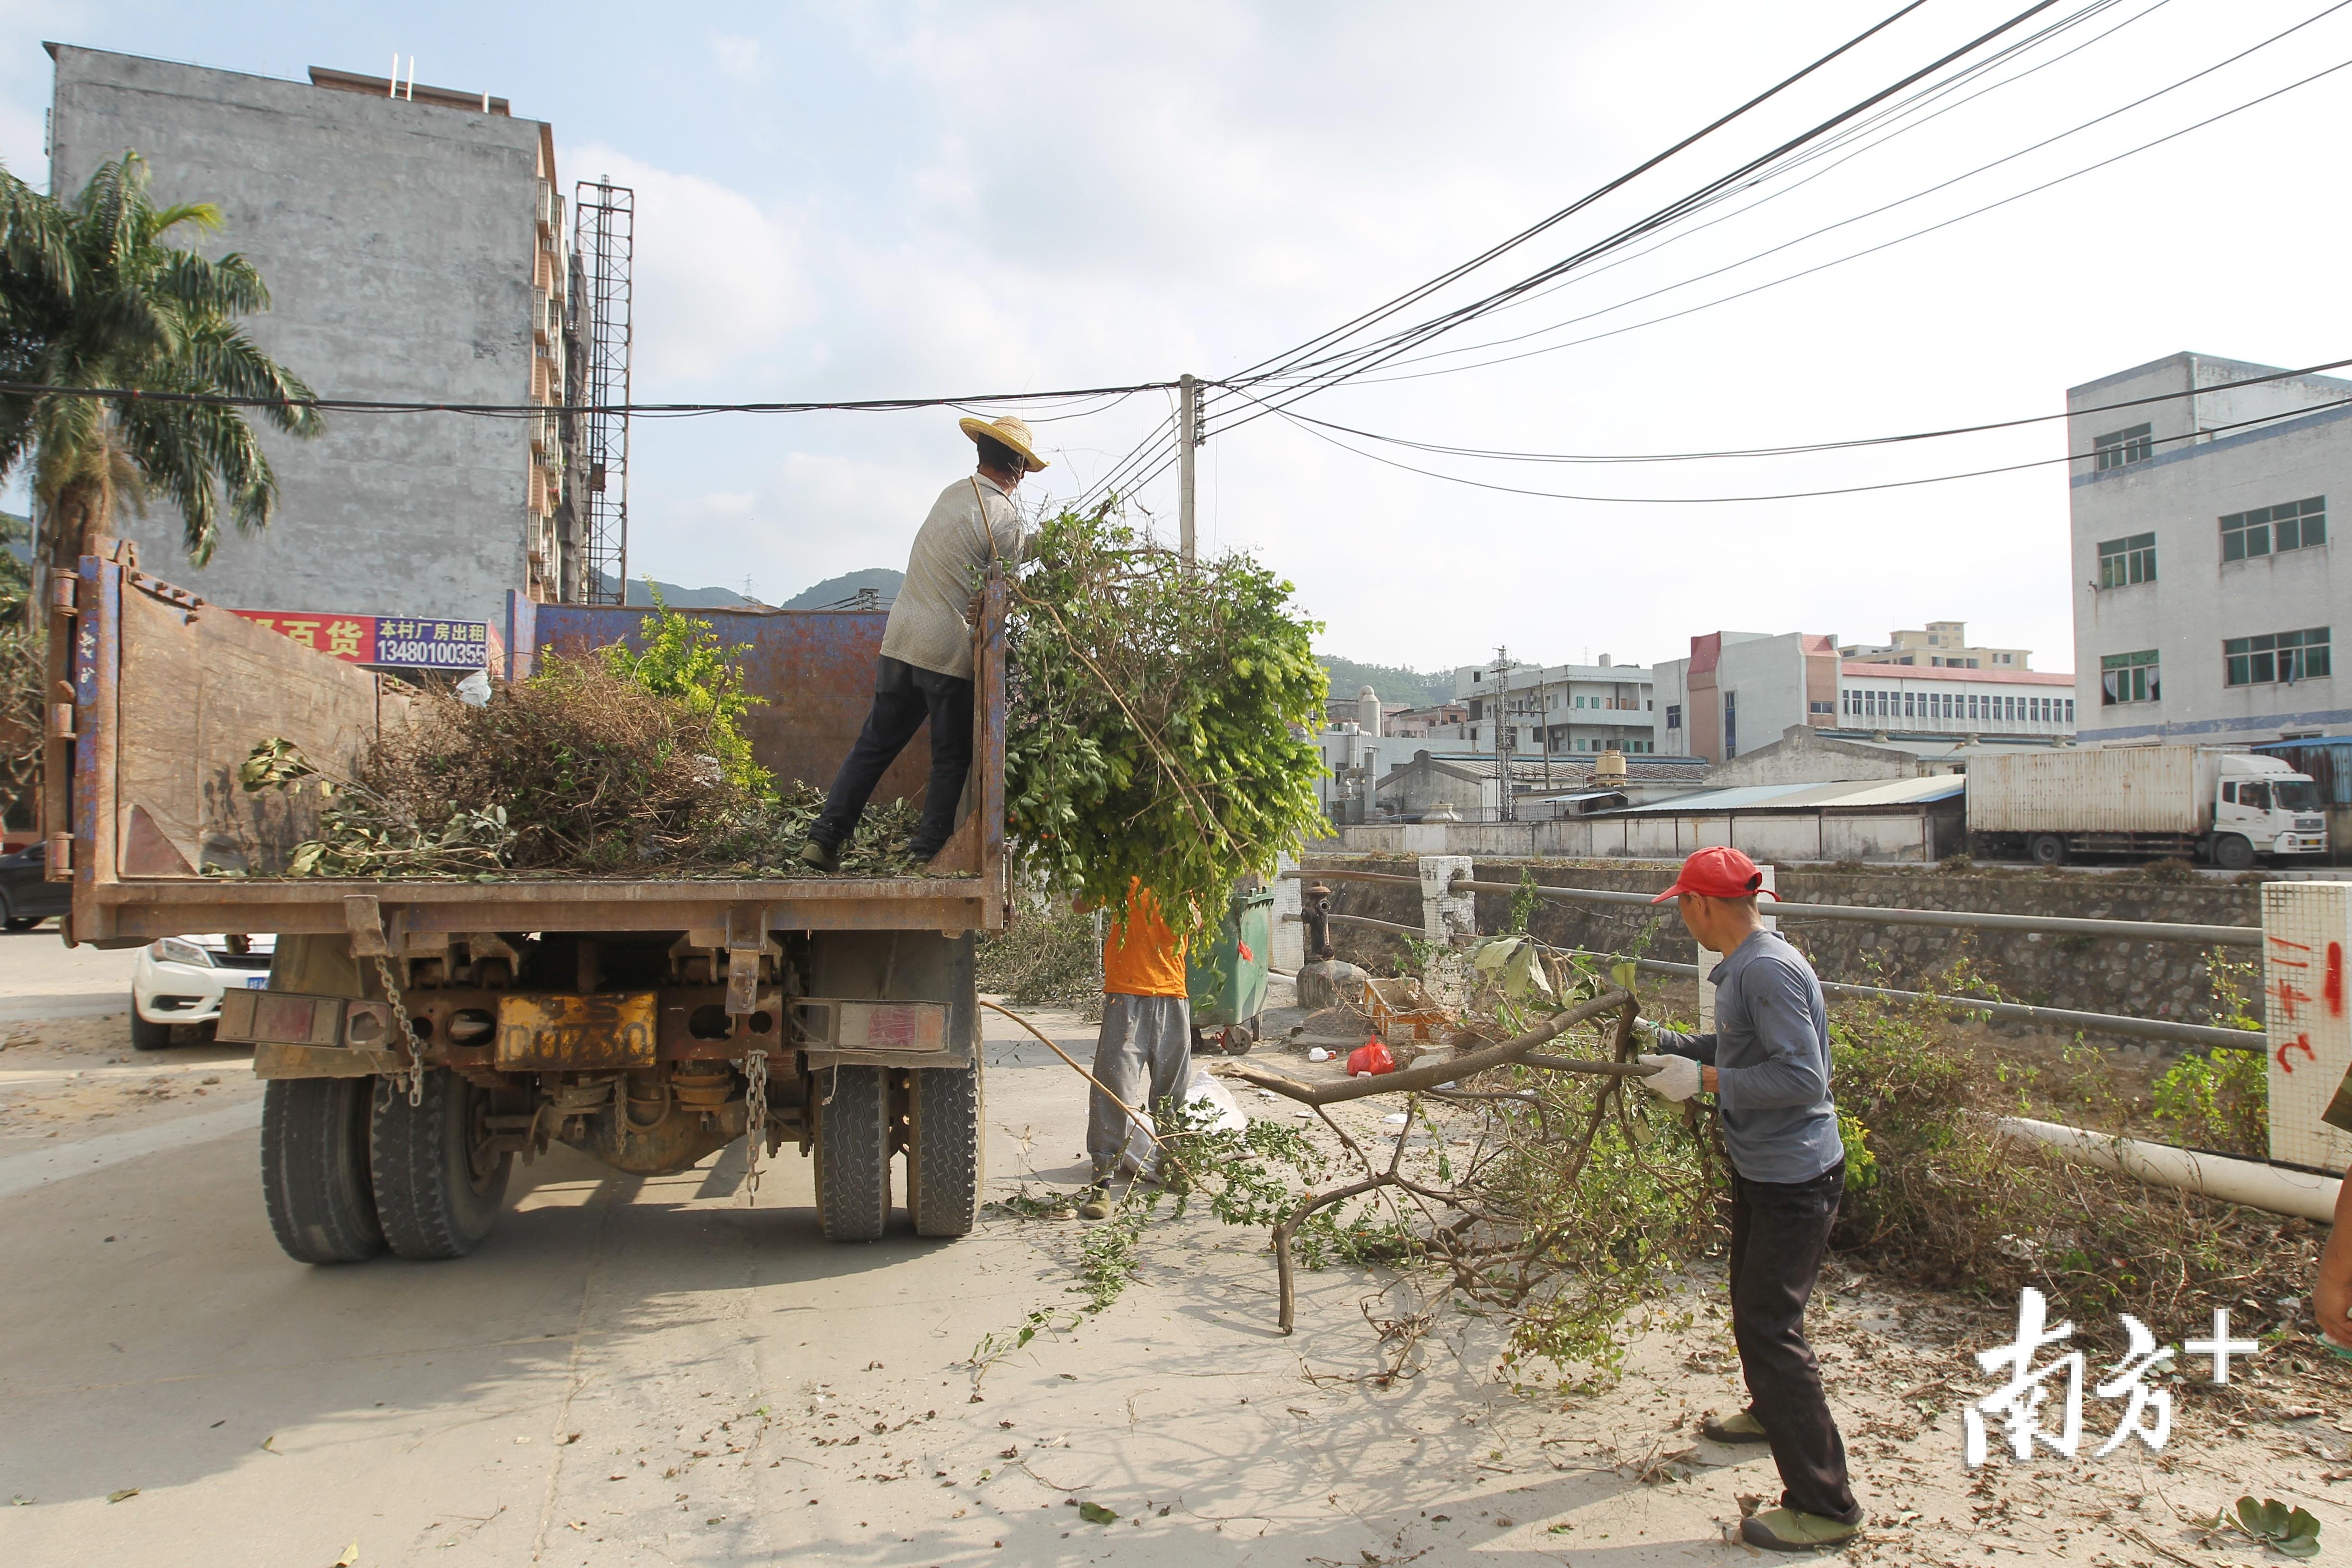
(582, 767)
(1048, 957)
(1160, 717)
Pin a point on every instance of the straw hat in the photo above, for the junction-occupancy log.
(1009, 429)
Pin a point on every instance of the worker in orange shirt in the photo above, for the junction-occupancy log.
(1144, 1054)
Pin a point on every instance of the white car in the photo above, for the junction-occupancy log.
(179, 980)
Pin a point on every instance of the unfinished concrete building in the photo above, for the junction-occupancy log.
(414, 240)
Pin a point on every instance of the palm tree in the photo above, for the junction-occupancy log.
(90, 297)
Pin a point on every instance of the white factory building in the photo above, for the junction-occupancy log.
(2205, 594)
(1738, 691)
(1557, 710)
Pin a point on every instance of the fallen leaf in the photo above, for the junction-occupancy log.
(125, 1493)
(351, 1555)
(1094, 1513)
(266, 1448)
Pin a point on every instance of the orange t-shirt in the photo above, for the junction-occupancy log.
(1141, 957)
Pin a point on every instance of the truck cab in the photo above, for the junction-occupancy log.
(2264, 803)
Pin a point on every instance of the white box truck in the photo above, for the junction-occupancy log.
(2144, 802)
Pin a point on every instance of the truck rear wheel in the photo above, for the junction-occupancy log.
(438, 1185)
(853, 1153)
(2047, 849)
(314, 1169)
(2232, 853)
(945, 1162)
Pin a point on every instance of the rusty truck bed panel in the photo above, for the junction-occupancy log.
(170, 695)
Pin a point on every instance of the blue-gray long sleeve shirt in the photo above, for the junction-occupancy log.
(1770, 1052)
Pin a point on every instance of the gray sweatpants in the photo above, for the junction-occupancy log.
(1144, 1056)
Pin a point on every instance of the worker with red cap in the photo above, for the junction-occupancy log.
(1766, 1062)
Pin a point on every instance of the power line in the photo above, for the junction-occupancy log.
(539, 410)
(1889, 206)
(1366, 357)
(1422, 291)
(1788, 495)
(1498, 455)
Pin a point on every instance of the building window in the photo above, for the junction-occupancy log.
(1730, 725)
(2135, 445)
(1674, 715)
(2123, 562)
(2274, 530)
(2070, 710)
(2129, 677)
(2281, 657)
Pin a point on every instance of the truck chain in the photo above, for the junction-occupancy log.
(408, 1036)
(755, 1120)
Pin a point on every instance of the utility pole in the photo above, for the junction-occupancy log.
(1188, 436)
(1503, 808)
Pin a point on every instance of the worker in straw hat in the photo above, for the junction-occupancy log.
(1766, 1062)
(925, 671)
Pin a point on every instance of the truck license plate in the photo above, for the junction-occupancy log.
(610, 1030)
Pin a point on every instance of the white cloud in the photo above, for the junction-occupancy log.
(737, 56)
(716, 279)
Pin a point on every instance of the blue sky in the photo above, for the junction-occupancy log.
(845, 202)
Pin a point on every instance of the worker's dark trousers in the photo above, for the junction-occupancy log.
(904, 696)
(1778, 1233)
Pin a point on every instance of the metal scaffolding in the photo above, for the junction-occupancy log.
(605, 239)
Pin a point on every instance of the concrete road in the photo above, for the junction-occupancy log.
(649, 1371)
(41, 977)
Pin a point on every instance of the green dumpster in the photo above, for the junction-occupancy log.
(1225, 976)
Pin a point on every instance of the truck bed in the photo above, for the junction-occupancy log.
(170, 695)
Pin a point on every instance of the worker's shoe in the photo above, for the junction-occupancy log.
(1742, 1427)
(820, 858)
(1097, 1203)
(1791, 1529)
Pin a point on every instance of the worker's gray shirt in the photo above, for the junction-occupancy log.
(953, 549)
(1770, 1052)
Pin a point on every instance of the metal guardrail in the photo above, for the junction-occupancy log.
(2059, 925)
(2090, 1023)
(2205, 1034)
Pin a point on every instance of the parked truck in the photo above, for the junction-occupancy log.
(416, 1036)
(2227, 808)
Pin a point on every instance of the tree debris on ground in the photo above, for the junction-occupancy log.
(1528, 1182)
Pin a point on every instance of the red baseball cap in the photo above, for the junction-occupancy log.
(1717, 871)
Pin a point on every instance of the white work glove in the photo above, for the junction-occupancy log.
(1646, 1030)
(1677, 1080)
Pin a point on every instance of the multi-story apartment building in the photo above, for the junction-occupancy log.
(1940, 645)
(1555, 709)
(2205, 594)
(1741, 690)
(414, 241)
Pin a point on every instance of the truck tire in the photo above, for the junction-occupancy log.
(314, 1169)
(438, 1189)
(2232, 853)
(147, 1036)
(946, 1164)
(853, 1153)
(2046, 849)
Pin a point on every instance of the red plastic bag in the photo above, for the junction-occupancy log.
(1371, 1056)
(1247, 957)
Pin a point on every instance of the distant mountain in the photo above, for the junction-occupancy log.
(834, 590)
(679, 598)
(1394, 682)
